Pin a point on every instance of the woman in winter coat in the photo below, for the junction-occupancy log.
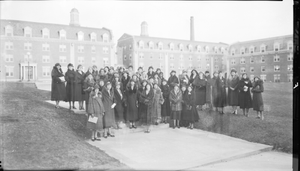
(176, 105)
(199, 84)
(190, 112)
(70, 88)
(184, 120)
(215, 95)
(156, 79)
(108, 99)
(141, 106)
(120, 100)
(102, 75)
(220, 102)
(184, 78)
(150, 72)
(245, 99)
(79, 93)
(88, 86)
(158, 100)
(88, 72)
(165, 108)
(146, 100)
(173, 80)
(132, 103)
(161, 76)
(208, 88)
(258, 104)
(233, 91)
(58, 89)
(125, 79)
(95, 109)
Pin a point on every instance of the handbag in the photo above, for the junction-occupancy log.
(93, 119)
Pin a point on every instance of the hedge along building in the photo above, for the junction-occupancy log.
(29, 50)
(271, 58)
(170, 54)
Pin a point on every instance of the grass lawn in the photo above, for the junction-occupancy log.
(35, 135)
(275, 130)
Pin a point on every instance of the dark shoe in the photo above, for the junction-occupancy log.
(134, 127)
(98, 139)
(93, 139)
(178, 127)
(110, 135)
(105, 136)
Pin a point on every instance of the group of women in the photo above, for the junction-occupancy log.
(122, 95)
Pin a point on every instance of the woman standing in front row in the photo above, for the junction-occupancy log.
(176, 106)
(245, 99)
(191, 114)
(158, 100)
(258, 104)
(95, 109)
(146, 100)
(119, 109)
(58, 88)
(165, 108)
(131, 103)
(79, 94)
(88, 86)
(70, 87)
(233, 91)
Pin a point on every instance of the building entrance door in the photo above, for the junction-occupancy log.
(28, 75)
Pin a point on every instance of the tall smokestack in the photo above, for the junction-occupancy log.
(192, 29)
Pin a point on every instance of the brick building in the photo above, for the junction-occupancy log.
(270, 58)
(170, 54)
(29, 50)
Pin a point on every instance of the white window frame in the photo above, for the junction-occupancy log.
(124, 57)
(207, 49)
(242, 70)
(80, 60)
(160, 56)
(252, 69)
(9, 71)
(198, 48)
(290, 68)
(80, 49)
(141, 44)
(46, 33)
(290, 45)
(80, 36)
(9, 45)
(262, 59)
(105, 61)
(181, 47)
(263, 77)
(276, 46)
(199, 58)
(276, 58)
(46, 47)
(28, 46)
(27, 31)
(62, 48)
(181, 57)
(232, 52)
(62, 34)
(277, 78)
(160, 45)
(62, 59)
(46, 71)
(151, 45)
(105, 50)
(190, 47)
(263, 48)
(290, 77)
(141, 55)
(9, 31)
(290, 57)
(190, 58)
(242, 50)
(263, 67)
(46, 59)
(172, 66)
(93, 60)
(9, 58)
(251, 49)
(105, 38)
(233, 62)
(93, 37)
(252, 61)
(242, 61)
(171, 46)
(93, 49)
(276, 68)
(172, 57)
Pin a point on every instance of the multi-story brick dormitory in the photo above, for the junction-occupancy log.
(29, 50)
(270, 58)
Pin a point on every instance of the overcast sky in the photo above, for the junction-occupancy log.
(219, 21)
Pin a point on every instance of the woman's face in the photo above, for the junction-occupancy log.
(130, 69)
(111, 71)
(164, 83)
(173, 73)
(148, 86)
(90, 70)
(90, 77)
(95, 68)
(132, 83)
(134, 77)
(176, 88)
(101, 83)
(144, 84)
(150, 69)
(106, 69)
(140, 70)
(125, 75)
(158, 71)
(58, 67)
(121, 69)
(244, 76)
(118, 86)
(70, 68)
(96, 90)
(189, 89)
(216, 74)
(108, 86)
(155, 86)
(155, 76)
(161, 75)
(183, 88)
(194, 72)
(101, 71)
(201, 75)
(151, 80)
(233, 73)
(80, 68)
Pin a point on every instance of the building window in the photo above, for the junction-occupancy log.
(180, 66)
(46, 33)
(276, 58)
(263, 77)
(216, 67)
(160, 56)
(276, 78)
(276, 68)
(141, 44)
(151, 45)
(46, 47)
(216, 60)
(9, 46)
(105, 38)
(9, 31)
(208, 60)
(27, 46)
(80, 36)
(263, 48)
(181, 57)
(198, 48)
(9, 58)
(207, 67)
(242, 70)
(251, 77)
(93, 60)
(242, 61)
(27, 32)
(62, 48)
(190, 47)
(130, 57)
(190, 58)
(125, 57)
(251, 49)
(62, 59)
(62, 34)
(80, 60)
(198, 58)
(216, 49)
(171, 46)
(46, 71)
(93, 37)
(290, 67)
(290, 57)
(276, 46)
(290, 45)
(171, 57)
(161, 66)
(242, 50)
(262, 59)
(141, 56)
(263, 69)
(105, 50)
(130, 47)
(105, 61)
(251, 60)
(27, 57)
(181, 47)
(290, 77)
(232, 52)
(80, 49)
(171, 66)
(251, 69)
(207, 49)
(93, 49)
(232, 61)
(160, 45)
(9, 71)
(46, 59)
(222, 50)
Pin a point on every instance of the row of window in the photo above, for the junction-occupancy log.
(62, 34)
(46, 47)
(276, 58)
(181, 47)
(263, 48)
(263, 69)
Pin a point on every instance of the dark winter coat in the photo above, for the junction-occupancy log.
(176, 100)
(108, 100)
(219, 93)
(88, 86)
(119, 109)
(125, 82)
(58, 88)
(131, 103)
(79, 93)
(208, 89)
(158, 100)
(199, 87)
(165, 108)
(189, 113)
(258, 88)
(233, 95)
(96, 107)
(70, 87)
(245, 99)
(151, 74)
(146, 101)
(172, 81)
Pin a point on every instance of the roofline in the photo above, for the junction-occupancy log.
(263, 39)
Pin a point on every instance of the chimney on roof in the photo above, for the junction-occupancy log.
(192, 38)
(74, 17)
(144, 29)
